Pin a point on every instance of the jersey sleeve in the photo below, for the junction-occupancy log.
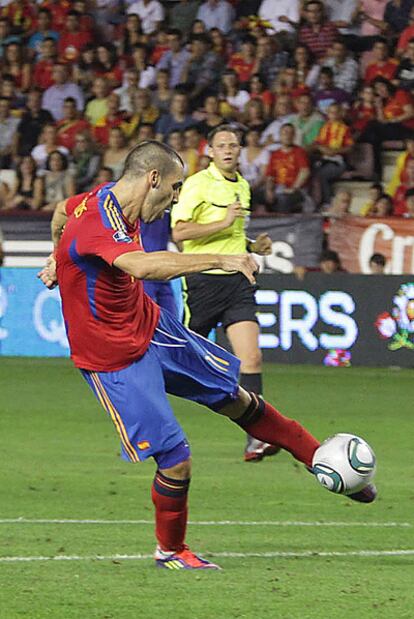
(94, 239)
(73, 202)
(191, 197)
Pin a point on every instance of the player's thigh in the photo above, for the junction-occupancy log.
(136, 400)
(244, 340)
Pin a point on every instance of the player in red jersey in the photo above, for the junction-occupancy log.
(132, 354)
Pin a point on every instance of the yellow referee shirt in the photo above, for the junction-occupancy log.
(203, 200)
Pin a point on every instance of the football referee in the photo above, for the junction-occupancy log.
(211, 216)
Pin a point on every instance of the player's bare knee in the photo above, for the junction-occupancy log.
(182, 470)
(251, 362)
(235, 409)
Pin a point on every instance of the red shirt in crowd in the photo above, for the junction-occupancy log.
(42, 75)
(67, 130)
(394, 107)
(377, 69)
(243, 69)
(285, 165)
(71, 44)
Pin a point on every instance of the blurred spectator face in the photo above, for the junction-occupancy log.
(27, 166)
(288, 78)
(141, 99)
(341, 202)
(71, 23)
(179, 104)
(252, 138)
(145, 132)
(368, 96)
(70, 111)
(339, 51)
(43, 21)
(256, 84)
(374, 194)
(248, 50)
(79, 6)
(56, 162)
(105, 175)
(12, 53)
(198, 49)
(301, 55)
(103, 54)
(377, 265)
(304, 106)
(34, 99)
(49, 134)
(326, 81)
(329, 266)
(59, 74)
(382, 207)
(211, 105)
(48, 49)
(113, 103)
(229, 79)
(174, 42)
(283, 106)
(100, 88)
(163, 80)
(313, 13)
(198, 27)
(381, 90)
(380, 51)
(8, 88)
(217, 38)
(82, 143)
(133, 23)
(255, 110)
(139, 55)
(132, 78)
(204, 162)
(334, 113)
(191, 138)
(264, 47)
(176, 140)
(116, 139)
(287, 136)
(4, 108)
(225, 150)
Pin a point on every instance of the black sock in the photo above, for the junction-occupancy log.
(252, 382)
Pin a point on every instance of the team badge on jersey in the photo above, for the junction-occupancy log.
(121, 237)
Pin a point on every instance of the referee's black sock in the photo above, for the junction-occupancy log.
(252, 382)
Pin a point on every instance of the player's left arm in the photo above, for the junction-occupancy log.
(48, 274)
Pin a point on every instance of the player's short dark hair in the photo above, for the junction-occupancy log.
(150, 155)
(378, 259)
(230, 128)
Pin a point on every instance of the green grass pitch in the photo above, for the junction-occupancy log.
(60, 461)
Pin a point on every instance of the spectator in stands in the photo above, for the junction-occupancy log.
(399, 173)
(363, 111)
(406, 34)
(183, 14)
(408, 183)
(216, 14)
(317, 33)
(97, 107)
(45, 63)
(70, 125)
(113, 118)
(342, 13)
(374, 193)
(188, 155)
(327, 93)
(307, 71)
(21, 14)
(131, 35)
(395, 118)
(8, 134)
(85, 161)
(409, 204)
(270, 59)
(330, 263)
(115, 154)
(6, 35)
(162, 93)
(143, 112)
(334, 141)
(140, 60)
(287, 173)
(286, 83)
(307, 121)
(59, 183)
(43, 31)
(47, 144)
(220, 44)
(405, 73)
(258, 90)
(202, 69)
(177, 119)
(175, 59)
(340, 205)
(254, 115)
(127, 92)
(150, 12)
(371, 16)
(58, 10)
(282, 115)
(54, 96)
(195, 141)
(104, 175)
(27, 191)
(382, 65)
(345, 68)
(107, 65)
(382, 207)
(253, 162)
(212, 117)
(233, 97)
(283, 15)
(33, 120)
(145, 132)
(13, 63)
(72, 39)
(377, 264)
(396, 16)
(244, 62)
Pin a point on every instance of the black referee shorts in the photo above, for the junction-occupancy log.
(213, 299)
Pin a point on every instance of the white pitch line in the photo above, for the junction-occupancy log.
(212, 523)
(307, 554)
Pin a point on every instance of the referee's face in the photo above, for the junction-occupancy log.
(225, 151)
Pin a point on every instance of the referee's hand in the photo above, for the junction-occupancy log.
(244, 263)
(232, 212)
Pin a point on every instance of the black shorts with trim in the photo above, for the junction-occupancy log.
(214, 299)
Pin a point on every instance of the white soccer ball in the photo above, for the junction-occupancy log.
(344, 463)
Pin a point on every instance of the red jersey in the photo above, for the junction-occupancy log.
(109, 319)
(243, 69)
(71, 44)
(376, 69)
(42, 75)
(67, 130)
(284, 166)
(394, 107)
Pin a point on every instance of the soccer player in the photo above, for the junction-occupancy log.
(211, 216)
(132, 354)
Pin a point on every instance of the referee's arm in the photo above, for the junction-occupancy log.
(188, 230)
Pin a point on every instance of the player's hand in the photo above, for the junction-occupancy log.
(243, 263)
(262, 245)
(48, 274)
(233, 211)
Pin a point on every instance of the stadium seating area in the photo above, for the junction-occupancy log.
(84, 80)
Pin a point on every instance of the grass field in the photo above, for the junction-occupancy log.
(289, 548)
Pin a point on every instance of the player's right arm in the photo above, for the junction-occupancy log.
(165, 265)
(58, 222)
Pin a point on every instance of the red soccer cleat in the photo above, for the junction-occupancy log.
(182, 560)
(257, 450)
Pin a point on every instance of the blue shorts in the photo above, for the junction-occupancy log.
(162, 293)
(178, 362)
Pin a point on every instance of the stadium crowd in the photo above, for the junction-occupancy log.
(319, 89)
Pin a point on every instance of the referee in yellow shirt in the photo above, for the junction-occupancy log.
(211, 216)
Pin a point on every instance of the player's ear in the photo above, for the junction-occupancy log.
(210, 152)
(154, 179)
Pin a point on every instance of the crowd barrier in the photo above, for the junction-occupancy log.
(325, 319)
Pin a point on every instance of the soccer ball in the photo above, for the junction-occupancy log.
(344, 464)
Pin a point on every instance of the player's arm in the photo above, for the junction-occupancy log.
(165, 265)
(58, 222)
(186, 230)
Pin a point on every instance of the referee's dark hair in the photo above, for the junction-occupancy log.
(150, 155)
(225, 127)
